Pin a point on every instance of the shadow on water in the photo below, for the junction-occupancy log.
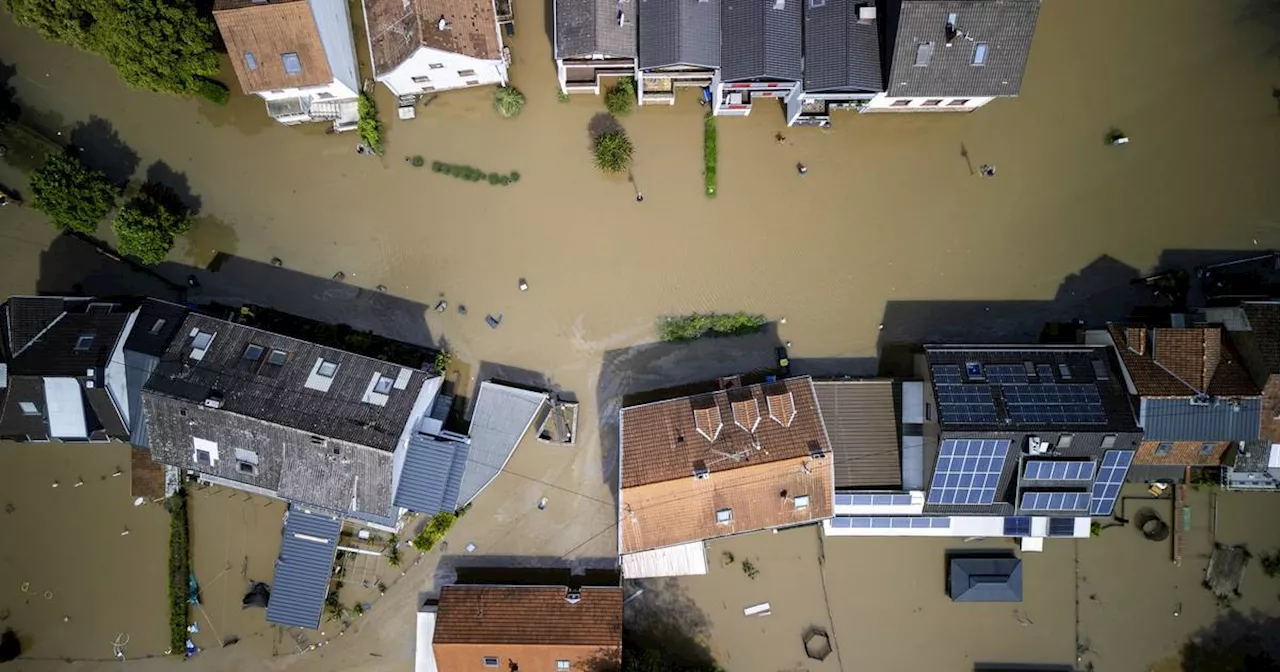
(1267, 13)
(176, 187)
(101, 148)
(1235, 641)
(209, 237)
(526, 570)
(665, 627)
(244, 112)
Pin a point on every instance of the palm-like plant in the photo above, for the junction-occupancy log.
(508, 101)
(613, 151)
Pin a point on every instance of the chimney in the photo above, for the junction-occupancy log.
(572, 595)
(214, 399)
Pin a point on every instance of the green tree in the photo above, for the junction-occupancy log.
(508, 101)
(613, 151)
(619, 98)
(369, 127)
(74, 197)
(157, 45)
(147, 225)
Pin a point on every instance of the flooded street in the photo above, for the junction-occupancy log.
(890, 227)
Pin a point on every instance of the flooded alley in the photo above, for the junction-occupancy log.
(891, 236)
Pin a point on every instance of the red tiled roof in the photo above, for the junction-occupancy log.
(1181, 361)
(529, 615)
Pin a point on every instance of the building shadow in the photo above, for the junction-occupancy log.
(525, 570)
(1235, 641)
(74, 265)
(664, 627)
(99, 146)
(9, 109)
(174, 188)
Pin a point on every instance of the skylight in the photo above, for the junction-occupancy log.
(277, 357)
(980, 54)
(292, 65)
(250, 61)
(924, 52)
(84, 342)
(383, 386)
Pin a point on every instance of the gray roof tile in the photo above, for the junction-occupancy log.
(590, 27)
(1006, 27)
(841, 53)
(679, 32)
(302, 572)
(431, 475)
(760, 39)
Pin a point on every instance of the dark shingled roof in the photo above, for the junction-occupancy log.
(980, 579)
(862, 423)
(590, 27)
(1006, 27)
(679, 32)
(841, 53)
(760, 39)
(473, 614)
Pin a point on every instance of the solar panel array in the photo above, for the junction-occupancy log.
(1017, 526)
(1058, 470)
(966, 404)
(947, 374)
(1062, 527)
(1055, 501)
(1055, 404)
(1007, 374)
(890, 522)
(873, 500)
(1115, 464)
(968, 471)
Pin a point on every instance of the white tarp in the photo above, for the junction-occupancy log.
(66, 408)
(682, 560)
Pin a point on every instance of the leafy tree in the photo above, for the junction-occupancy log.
(619, 98)
(157, 45)
(73, 196)
(369, 128)
(147, 225)
(613, 151)
(508, 101)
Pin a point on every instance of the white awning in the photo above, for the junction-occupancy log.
(66, 408)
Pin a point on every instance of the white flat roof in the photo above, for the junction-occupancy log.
(424, 657)
(66, 408)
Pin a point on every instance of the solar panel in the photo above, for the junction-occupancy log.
(1062, 527)
(892, 522)
(968, 471)
(1044, 373)
(1055, 404)
(1017, 526)
(874, 500)
(966, 404)
(1115, 464)
(1058, 470)
(1055, 501)
(1007, 374)
(946, 374)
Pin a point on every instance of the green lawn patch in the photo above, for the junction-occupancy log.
(709, 154)
(697, 325)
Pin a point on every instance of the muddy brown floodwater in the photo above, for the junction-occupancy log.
(889, 219)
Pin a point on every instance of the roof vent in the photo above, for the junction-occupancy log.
(707, 422)
(700, 470)
(442, 24)
(782, 405)
(866, 14)
(622, 18)
(572, 595)
(816, 451)
(1201, 400)
(779, 4)
(746, 413)
(213, 400)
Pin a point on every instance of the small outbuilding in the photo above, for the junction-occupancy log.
(985, 579)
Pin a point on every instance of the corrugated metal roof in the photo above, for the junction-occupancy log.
(1180, 420)
(862, 426)
(302, 571)
(502, 415)
(432, 474)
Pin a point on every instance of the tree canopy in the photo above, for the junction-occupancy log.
(613, 151)
(73, 196)
(157, 45)
(147, 225)
(508, 101)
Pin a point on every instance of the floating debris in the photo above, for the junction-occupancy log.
(55, 484)
(524, 286)
(79, 481)
(339, 276)
(471, 547)
(492, 321)
(277, 262)
(118, 472)
(462, 309)
(440, 307)
(542, 504)
(125, 533)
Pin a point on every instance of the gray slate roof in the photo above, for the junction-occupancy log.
(432, 474)
(302, 571)
(979, 579)
(590, 27)
(861, 422)
(501, 417)
(760, 39)
(679, 32)
(1005, 26)
(841, 54)
(1179, 420)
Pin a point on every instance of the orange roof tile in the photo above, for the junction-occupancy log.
(1181, 361)
(532, 615)
(267, 31)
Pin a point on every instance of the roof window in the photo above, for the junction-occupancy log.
(277, 357)
(327, 368)
(490, 661)
(383, 386)
(250, 62)
(201, 340)
(924, 52)
(724, 516)
(84, 342)
(29, 408)
(253, 352)
(292, 65)
(980, 53)
(802, 502)
(157, 326)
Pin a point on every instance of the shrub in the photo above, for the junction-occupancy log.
(515, 177)
(1271, 564)
(73, 196)
(697, 325)
(434, 531)
(709, 154)
(562, 96)
(212, 90)
(179, 571)
(618, 98)
(146, 226)
(417, 161)
(437, 167)
(369, 128)
(508, 101)
(613, 151)
(443, 358)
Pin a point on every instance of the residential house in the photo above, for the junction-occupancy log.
(679, 47)
(710, 465)
(56, 382)
(485, 627)
(760, 54)
(297, 55)
(1195, 396)
(1018, 441)
(594, 40)
(842, 66)
(955, 55)
(1254, 329)
(425, 46)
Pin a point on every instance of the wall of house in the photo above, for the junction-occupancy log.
(759, 92)
(883, 102)
(334, 22)
(1182, 453)
(444, 77)
(421, 407)
(334, 90)
(470, 657)
(677, 77)
(960, 526)
(1271, 410)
